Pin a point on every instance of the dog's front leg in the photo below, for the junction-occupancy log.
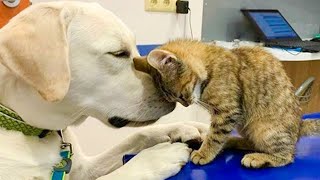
(93, 167)
(90, 168)
(156, 163)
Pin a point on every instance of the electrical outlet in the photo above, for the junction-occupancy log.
(160, 5)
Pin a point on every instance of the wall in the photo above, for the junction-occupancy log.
(150, 28)
(153, 27)
(222, 19)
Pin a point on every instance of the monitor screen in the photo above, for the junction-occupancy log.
(273, 25)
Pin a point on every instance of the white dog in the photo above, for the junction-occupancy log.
(64, 61)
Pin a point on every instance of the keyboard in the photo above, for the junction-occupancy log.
(309, 46)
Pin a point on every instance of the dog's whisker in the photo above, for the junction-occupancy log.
(77, 113)
(135, 105)
(132, 106)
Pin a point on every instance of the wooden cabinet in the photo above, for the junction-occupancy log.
(7, 13)
(299, 71)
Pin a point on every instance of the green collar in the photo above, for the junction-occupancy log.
(10, 120)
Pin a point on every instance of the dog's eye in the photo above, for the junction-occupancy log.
(120, 54)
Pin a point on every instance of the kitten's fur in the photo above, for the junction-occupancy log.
(244, 88)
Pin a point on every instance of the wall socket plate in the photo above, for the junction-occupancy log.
(160, 5)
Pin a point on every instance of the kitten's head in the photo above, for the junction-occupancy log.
(172, 73)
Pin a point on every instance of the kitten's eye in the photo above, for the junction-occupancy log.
(120, 54)
(169, 60)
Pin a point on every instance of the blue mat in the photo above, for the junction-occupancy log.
(145, 49)
(311, 116)
(228, 165)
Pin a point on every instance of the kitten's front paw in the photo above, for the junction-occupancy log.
(254, 160)
(198, 157)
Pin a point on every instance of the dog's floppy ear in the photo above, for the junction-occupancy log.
(34, 46)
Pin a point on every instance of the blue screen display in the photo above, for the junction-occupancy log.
(273, 25)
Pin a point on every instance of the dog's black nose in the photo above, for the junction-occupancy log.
(118, 121)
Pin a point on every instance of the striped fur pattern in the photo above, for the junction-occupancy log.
(244, 88)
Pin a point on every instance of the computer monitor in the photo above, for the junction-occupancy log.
(270, 24)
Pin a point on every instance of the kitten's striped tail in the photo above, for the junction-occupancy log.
(310, 127)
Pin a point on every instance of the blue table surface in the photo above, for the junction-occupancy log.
(227, 165)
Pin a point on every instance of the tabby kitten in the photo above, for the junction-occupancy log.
(244, 88)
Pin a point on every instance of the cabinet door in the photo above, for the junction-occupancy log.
(299, 71)
(6, 13)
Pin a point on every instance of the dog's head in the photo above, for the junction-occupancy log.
(67, 60)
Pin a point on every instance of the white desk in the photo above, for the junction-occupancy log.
(281, 54)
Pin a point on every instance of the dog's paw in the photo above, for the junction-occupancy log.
(191, 133)
(187, 131)
(197, 157)
(160, 161)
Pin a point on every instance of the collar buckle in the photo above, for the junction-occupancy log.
(65, 144)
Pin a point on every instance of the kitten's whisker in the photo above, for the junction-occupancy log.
(206, 106)
(202, 105)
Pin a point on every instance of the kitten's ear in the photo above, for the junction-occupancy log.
(162, 60)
